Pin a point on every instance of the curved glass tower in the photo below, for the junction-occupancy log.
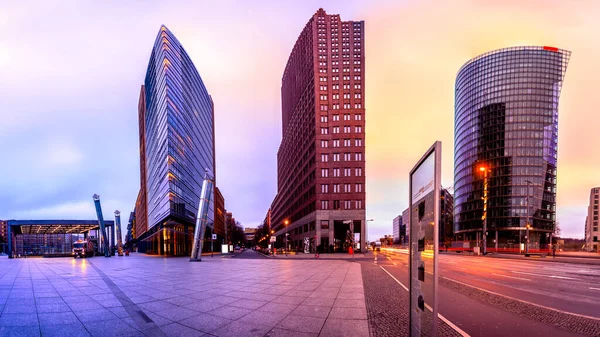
(505, 136)
(178, 122)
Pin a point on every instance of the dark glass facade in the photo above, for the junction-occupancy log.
(179, 146)
(506, 121)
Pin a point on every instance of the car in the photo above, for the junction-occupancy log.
(377, 246)
(237, 249)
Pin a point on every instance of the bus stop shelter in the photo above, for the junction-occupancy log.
(40, 232)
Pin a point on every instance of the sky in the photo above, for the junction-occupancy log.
(70, 74)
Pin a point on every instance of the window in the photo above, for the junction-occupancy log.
(336, 143)
(336, 157)
(324, 173)
(323, 87)
(322, 79)
(358, 129)
(358, 142)
(358, 156)
(595, 239)
(336, 172)
(346, 142)
(355, 96)
(357, 106)
(324, 143)
(324, 188)
(323, 107)
(347, 188)
(347, 96)
(357, 86)
(358, 172)
(324, 119)
(324, 158)
(336, 188)
(336, 118)
(335, 96)
(347, 204)
(336, 204)
(358, 188)
(358, 204)
(336, 129)
(324, 205)
(323, 97)
(346, 172)
(335, 106)
(346, 117)
(325, 131)
(346, 129)
(358, 117)
(347, 157)
(347, 106)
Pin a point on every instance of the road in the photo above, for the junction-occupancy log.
(564, 286)
(569, 287)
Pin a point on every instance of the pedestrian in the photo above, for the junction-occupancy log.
(553, 251)
(351, 251)
(317, 251)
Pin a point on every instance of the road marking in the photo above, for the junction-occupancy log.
(517, 278)
(523, 301)
(551, 276)
(594, 288)
(389, 258)
(395, 264)
(457, 329)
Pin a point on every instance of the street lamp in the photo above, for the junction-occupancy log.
(485, 171)
(286, 222)
(527, 225)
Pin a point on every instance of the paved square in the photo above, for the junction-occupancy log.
(144, 295)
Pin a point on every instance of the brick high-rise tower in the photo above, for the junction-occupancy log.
(321, 159)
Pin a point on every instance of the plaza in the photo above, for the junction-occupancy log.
(144, 295)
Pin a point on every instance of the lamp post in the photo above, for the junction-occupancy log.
(286, 222)
(485, 171)
(527, 226)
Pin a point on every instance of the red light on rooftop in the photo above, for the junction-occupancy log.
(554, 49)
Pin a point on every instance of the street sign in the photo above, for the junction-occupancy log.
(214, 236)
(273, 239)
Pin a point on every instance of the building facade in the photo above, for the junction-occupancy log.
(506, 135)
(321, 159)
(592, 235)
(445, 222)
(176, 148)
(399, 230)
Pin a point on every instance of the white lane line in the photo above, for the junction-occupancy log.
(550, 276)
(457, 329)
(594, 288)
(523, 301)
(516, 278)
(395, 264)
(389, 258)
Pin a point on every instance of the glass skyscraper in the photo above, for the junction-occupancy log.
(176, 148)
(506, 128)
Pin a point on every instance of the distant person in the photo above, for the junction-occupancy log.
(553, 251)
(317, 251)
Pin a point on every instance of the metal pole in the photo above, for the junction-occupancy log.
(496, 241)
(485, 197)
(527, 221)
(286, 236)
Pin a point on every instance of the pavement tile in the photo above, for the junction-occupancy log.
(20, 309)
(45, 294)
(288, 333)
(178, 330)
(248, 304)
(49, 300)
(205, 322)
(95, 315)
(177, 313)
(355, 295)
(268, 318)
(71, 330)
(280, 308)
(53, 307)
(204, 306)
(119, 312)
(56, 318)
(114, 327)
(240, 328)
(288, 300)
(230, 312)
(299, 293)
(302, 324)
(180, 300)
(348, 313)
(20, 331)
(342, 328)
(324, 294)
(349, 303)
(157, 319)
(319, 301)
(311, 311)
(19, 320)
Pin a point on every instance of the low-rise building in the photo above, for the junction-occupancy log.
(592, 235)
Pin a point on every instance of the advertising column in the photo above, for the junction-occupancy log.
(424, 214)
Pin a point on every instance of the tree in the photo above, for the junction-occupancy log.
(557, 229)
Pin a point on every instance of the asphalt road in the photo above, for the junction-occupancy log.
(249, 254)
(569, 287)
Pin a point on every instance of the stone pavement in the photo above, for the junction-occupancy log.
(152, 296)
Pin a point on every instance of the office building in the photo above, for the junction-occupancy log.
(445, 221)
(321, 159)
(592, 235)
(506, 140)
(398, 230)
(176, 116)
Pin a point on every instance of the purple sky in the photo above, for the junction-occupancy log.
(70, 73)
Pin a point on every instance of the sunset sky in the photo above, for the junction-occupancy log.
(70, 74)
